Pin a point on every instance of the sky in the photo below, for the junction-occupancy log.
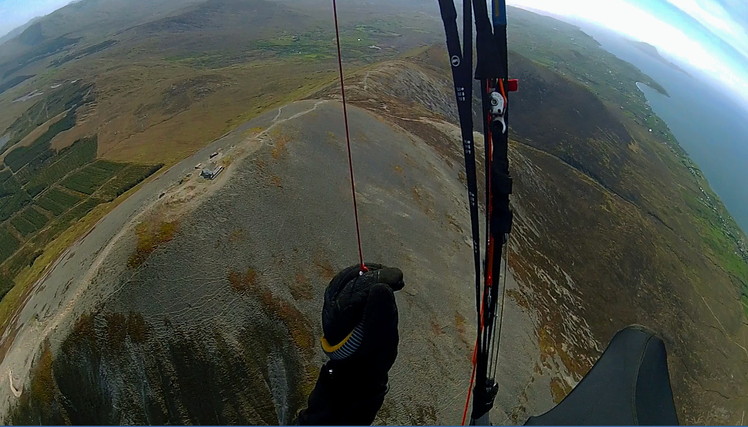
(14, 13)
(710, 36)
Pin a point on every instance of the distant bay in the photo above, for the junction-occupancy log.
(708, 124)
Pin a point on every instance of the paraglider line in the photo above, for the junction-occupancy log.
(348, 138)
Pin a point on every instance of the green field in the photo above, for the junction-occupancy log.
(4, 175)
(68, 97)
(553, 45)
(70, 159)
(13, 82)
(40, 180)
(315, 45)
(57, 201)
(42, 49)
(90, 50)
(93, 176)
(8, 244)
(125, 180)
(14, 257)
(29, 221)
(12, 198)
(39, 150)
(74, 214)
(22, 225)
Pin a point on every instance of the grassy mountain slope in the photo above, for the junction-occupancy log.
(615, 225)
(137, 67)
(588, 260)
(606, 210)
(161, 81)
(656, 233)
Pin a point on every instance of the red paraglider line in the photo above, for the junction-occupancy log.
(348, 139)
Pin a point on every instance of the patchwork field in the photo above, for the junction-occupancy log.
(43, 191)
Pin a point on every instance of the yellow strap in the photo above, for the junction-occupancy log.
(328, 348)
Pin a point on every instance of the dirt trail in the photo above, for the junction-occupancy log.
(268, 199)
(62, 293)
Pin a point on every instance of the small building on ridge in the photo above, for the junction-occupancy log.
(211, 171)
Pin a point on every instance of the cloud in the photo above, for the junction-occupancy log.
(702, 34)
(718, 20)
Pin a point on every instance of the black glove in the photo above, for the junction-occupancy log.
(359, 321)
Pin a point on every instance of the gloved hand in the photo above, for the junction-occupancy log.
(359, 322)
(359, 316)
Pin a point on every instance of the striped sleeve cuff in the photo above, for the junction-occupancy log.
(347, 346)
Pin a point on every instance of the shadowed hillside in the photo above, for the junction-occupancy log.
(606, 208)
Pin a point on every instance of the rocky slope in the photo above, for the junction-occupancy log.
(608, 236)
(219, 324)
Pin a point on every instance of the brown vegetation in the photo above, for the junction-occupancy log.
(436, 328)
(119, 327)
(43, 389)
(42, 395)
(150, 236)
(559, 389)
(301, 288)
(424, 200)
(237, 235)
(460, 327)
(242, 283)
(280, 139)
(297, 325)
(248, 283)
(324, 268)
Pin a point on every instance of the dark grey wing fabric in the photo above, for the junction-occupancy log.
(629, 385)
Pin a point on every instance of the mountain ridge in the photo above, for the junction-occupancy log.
(611, 229)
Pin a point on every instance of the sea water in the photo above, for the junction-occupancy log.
(709, 125)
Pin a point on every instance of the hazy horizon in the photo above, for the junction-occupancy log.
(708, 36)
(16, 14)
